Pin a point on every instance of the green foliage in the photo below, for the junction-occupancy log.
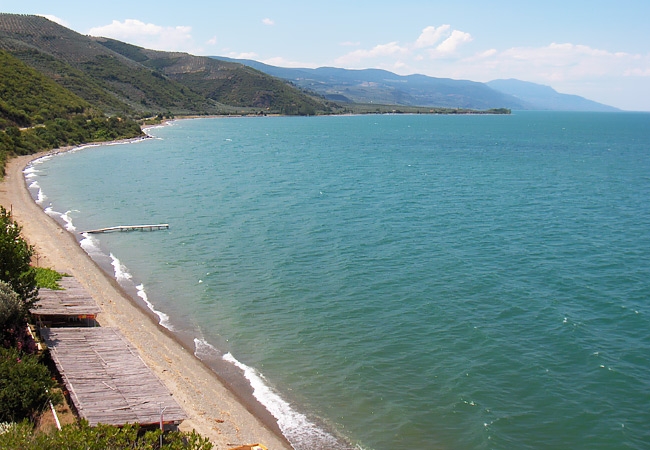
(48, 278)
(12, 309)
(24, 385)
(27, 97)
(15, 258)
(81, 436)
(13, 321)
(62, 132)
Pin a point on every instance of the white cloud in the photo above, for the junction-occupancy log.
(451, 44)
(147, 35)
(431, 35)
(379, 51)
(401, 56)
(268, 21)
(212, 41)
(283, 62)
(244, 55)
(55, 19)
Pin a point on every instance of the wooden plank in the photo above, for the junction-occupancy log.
(72, 301)
(107, 380)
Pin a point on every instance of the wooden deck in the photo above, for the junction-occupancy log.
(73, 301)
(107, 380)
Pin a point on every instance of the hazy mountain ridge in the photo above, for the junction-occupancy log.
(381, 86)
(543, 97)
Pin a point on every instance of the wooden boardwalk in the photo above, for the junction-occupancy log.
(107, 380)
(160, 226)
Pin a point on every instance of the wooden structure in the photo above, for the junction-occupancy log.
(107, 380)
(71, 305)
(161, 226)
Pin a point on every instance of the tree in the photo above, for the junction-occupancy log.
(15, 257)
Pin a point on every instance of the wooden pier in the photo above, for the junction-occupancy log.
(161, 226)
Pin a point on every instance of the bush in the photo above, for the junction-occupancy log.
(13, 321)
(15, 258)
(24, 386)
(102, 437)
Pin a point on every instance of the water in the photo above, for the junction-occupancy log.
(474, 282)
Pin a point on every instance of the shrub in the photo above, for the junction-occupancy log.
(81, 436)
(24, 385)
(15, 258)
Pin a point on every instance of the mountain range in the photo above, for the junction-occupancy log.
(118, 78)
(384, 87)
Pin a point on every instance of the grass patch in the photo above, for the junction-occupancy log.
(49, 278)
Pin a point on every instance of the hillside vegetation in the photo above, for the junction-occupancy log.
(38, 114)
(227, 83)
(127, 80)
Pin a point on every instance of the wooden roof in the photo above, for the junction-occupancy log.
(73, 300)
(107, 380)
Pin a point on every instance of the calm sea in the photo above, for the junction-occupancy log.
(400, 281)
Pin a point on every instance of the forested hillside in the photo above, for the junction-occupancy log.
(38, 114)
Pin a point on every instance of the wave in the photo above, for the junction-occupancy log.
(163, 319)
(122, 275)
(296, 427)
(40, 196)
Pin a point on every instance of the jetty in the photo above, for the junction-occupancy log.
(160, 226)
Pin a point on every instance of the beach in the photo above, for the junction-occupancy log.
(227, 417)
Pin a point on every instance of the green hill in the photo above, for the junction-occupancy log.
(38, 114)
(232, 84)
(119, 78)
(29, 98)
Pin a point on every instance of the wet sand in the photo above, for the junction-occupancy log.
(226, 417)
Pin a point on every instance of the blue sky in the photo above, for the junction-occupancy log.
(596, 49)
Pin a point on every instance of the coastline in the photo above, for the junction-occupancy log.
(214, 410)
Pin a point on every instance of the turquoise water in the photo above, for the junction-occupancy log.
(447, 282)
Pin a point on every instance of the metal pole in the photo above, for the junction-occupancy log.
(162, 410)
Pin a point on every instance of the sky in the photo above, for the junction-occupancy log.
(596, 49)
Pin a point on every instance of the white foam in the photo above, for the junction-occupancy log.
(68, 221)
(30, 172)
(121, 272)
(204, 350)
(296, 427)
(90, 245)
(163, 319)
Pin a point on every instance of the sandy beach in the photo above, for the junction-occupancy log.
(227, 418)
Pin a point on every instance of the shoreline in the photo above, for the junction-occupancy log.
(228, 416)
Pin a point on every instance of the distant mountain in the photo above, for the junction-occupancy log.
(380, 86)
(542, 97)
(383, 87)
